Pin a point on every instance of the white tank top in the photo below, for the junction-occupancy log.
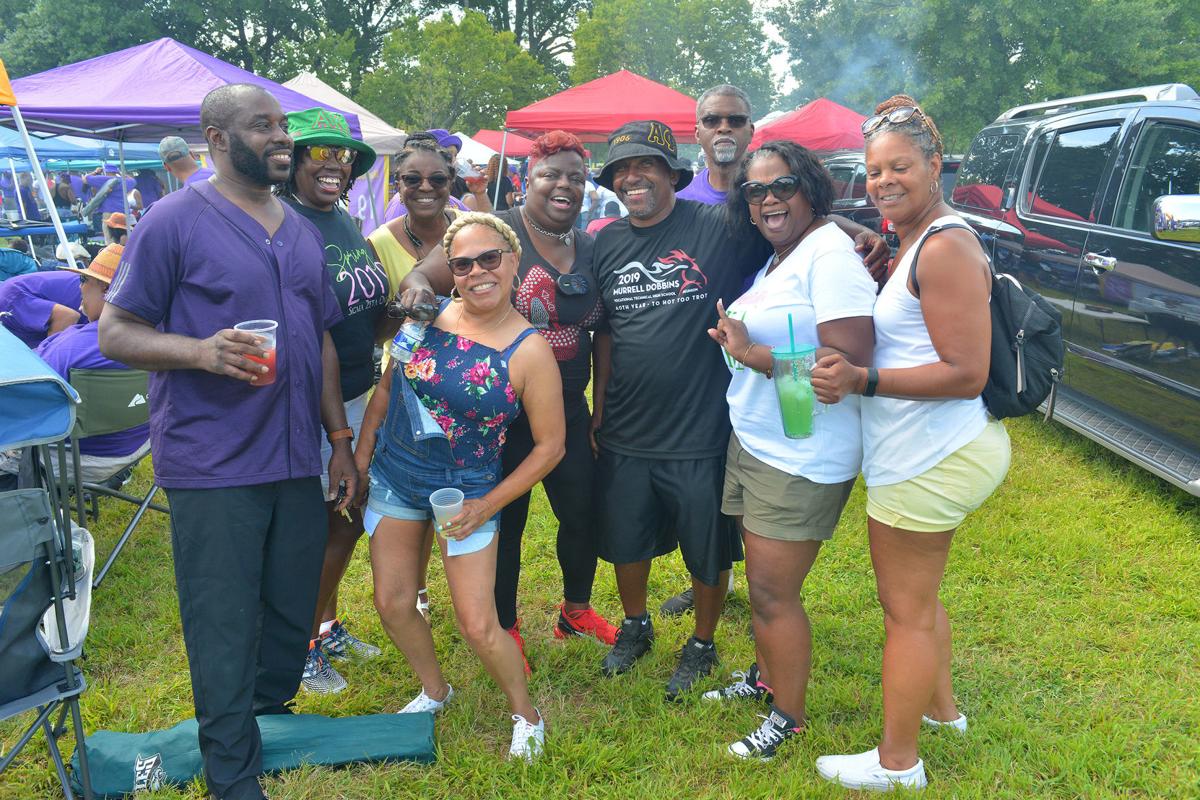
(903, 438)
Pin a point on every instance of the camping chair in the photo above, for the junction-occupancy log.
(44, 596)
(111, 400)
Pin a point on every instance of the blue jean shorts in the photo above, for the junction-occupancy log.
(400, 489)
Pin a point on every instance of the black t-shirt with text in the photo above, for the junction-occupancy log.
(660, 286)
(361, 286)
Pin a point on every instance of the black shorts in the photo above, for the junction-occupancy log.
(650, 506)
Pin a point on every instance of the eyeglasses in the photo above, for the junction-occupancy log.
(413, 181)
(713, 121)
(894, 117)
(784, 188)
(488, 259)
(323, 152)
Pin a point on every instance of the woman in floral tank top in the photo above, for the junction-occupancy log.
(440, 421)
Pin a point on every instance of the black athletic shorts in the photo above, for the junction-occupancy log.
(650, 506)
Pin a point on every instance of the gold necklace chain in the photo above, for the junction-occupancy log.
(475, 336)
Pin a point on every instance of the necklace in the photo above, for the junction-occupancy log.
(780, 256)
(566, 238)
(416, 242)
(475, 336)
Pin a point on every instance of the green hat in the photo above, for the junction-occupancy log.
(322, 126)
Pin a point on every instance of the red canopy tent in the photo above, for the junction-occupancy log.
(516, 146)
(819, 125)
(595, 109)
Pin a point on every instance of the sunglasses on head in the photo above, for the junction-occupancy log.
(713, 121)
(412, 180)
(893, 117)
(323, 152)
(783, 188)
(488, 259)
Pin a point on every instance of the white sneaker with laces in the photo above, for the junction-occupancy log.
(863, 771)
(528, 740)
(959, 724)
(424, 702)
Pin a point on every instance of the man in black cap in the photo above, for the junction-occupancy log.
(660, 422)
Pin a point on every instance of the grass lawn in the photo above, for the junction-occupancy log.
(1074, 592)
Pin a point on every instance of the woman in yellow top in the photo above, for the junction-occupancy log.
(426, 172)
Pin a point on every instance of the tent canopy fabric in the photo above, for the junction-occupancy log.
(819, 125)
(139, 94)
(72, 148)
(595, 109)
(385, 139)
(516, 146)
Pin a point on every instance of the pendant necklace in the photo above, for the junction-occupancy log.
(566, 238)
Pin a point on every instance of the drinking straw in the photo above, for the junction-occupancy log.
(791, 332)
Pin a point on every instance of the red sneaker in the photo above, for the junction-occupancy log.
(515, 632)
(585, 622)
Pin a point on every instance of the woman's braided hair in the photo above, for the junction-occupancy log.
(920, 128)
(481, 218)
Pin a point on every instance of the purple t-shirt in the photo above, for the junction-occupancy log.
(202, 174)
(113, 201)
(77, 347)
(701, 190)
(396, 209)
(82, 191)
(194, 265)
(149, 187)
(26, 302)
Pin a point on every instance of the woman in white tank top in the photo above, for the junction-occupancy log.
(931, 453)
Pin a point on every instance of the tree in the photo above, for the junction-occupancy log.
(45, 34)
(689, 45)
(544, 27)
(968, 60)
(454, 75)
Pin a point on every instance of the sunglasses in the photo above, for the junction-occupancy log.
(323, 152)
(488, 259)
(784, 188)
(713, 121)
(413, 181)
(894, 117)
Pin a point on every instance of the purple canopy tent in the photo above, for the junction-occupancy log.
(139, 94)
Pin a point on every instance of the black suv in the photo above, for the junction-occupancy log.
(1095, 202)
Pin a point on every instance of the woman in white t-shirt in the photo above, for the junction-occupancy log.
(931, 453)
(788, 493)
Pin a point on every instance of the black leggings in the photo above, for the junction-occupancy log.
(569, 488)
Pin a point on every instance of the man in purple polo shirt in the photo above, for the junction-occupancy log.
(239, 461)
(37, 304)
(724, 131)
(114, 201)
(178, 160)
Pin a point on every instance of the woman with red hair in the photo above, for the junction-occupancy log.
(558, 294)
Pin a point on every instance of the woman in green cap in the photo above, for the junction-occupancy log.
(326, 161)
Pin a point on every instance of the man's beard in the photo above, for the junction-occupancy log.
(250, 164)
(724, 153)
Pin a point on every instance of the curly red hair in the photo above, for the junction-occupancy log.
(555, 142)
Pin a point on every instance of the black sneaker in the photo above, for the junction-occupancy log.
(681, 603)
(747, 685)
(633, 641)
(776, 729)
(696, 661)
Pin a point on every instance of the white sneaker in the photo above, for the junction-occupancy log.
(863, 771)
(528, 740)
(424, 702)
(423, 604)
(959, 724)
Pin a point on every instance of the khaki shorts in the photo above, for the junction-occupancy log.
(940, 498)
(776, 505)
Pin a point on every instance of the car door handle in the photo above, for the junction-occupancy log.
(1099, 262)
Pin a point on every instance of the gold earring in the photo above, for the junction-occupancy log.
(516, 283)
(933, 187)
(455, 297)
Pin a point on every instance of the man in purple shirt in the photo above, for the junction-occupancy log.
(178, 160)
(78, 347)
(38, 304)
(114, 201)
(239, 460)
(724, 131)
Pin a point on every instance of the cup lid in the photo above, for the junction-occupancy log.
(801, 350)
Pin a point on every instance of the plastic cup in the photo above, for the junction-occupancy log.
(266, 328)
(447, 504)
(792, 376)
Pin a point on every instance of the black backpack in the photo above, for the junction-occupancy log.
(1027, 343)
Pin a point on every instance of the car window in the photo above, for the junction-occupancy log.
(1166, 160)
(980, 180)
(843, 176)
(859, 189)
(1070, 172)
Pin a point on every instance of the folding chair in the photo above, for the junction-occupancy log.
(111, 400)
(40, 587)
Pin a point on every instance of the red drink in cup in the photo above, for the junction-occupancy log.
(265, 329)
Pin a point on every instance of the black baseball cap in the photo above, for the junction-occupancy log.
(644, 137)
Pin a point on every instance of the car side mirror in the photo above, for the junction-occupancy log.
(1177, 218)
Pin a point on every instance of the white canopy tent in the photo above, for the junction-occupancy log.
(386, 139)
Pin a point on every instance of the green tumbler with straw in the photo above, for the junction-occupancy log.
(792, 375)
